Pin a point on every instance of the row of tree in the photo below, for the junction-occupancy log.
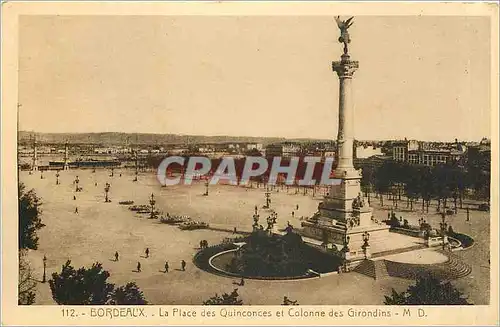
(440, 183)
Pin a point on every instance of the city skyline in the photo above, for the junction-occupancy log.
(227, 76)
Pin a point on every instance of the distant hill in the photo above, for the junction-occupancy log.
(114, 138)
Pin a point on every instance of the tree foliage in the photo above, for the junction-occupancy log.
(130, 294)
(427, 290)
(29, 218)
(440, 182)
(225, 299)
(89, 286)
(26, 283)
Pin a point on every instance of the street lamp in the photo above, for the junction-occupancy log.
(152, 202)
(255, 220)
(443, 226)
(44, 278)
(268, 197)
(366, 238)
(206, 187)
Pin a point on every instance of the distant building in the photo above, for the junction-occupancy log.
(401, 149)
(366, 151)
(285, 149)
(428, 154)
(255, 146)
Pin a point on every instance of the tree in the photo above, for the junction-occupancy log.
(90, 287)
(225, 299)
(26, 283)
(29, 218)
(428, 290)
(129, 294)
(82, 286)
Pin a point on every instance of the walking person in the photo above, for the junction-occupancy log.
(147, 252)
(74, 197)
(76, 210)
(166, 267)
(116, 256)
(138, 266)
(242, 282)
(183, 265)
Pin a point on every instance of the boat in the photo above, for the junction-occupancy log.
(192, 225)
(174, 219)
(139, 207)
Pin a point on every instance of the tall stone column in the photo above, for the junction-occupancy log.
(345, 138)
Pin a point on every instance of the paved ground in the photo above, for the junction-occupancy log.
(425, 256)
(100, 229)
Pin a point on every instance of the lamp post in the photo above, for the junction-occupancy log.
(106, 190)
(268, 197)
(206, 187)
(366, 238)
(44, 278)
(443, 226)
(255, 220)
(152, 202)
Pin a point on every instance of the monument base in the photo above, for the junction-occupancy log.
(336, 234)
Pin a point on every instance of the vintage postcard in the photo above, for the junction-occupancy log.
(238, 163)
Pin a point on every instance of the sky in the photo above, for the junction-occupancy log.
(419, 77)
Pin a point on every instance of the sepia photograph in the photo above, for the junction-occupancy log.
(255, 160)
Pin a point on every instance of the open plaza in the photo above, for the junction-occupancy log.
(99, 229)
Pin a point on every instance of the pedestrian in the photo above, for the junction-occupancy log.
(293, 214)
(234, 231)
(166, 266)
(96, 184)
(120, 175)
(183, 265)
(147, 252)
(116, 256)
(76, 210)
(138, 266)
(297, 208)
(74, 197)
(242, 282)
